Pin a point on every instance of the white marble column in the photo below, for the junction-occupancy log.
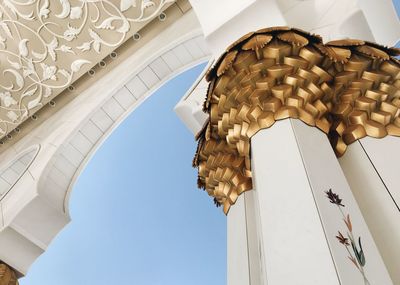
(245, 252)
(293, 167)
(237, 245)
(290, 232)
(371, 168)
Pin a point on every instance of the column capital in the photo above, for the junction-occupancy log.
(347, 88)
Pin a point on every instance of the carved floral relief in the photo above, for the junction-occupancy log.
(46, 45)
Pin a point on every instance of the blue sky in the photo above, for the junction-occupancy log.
(137, 215)
(397, 6)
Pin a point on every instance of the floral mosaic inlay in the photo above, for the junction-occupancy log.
(348, 240)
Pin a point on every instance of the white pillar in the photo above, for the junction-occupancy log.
(370, 166)
(313, 167)
(238, 269)
(245, 256)
(293, 165)
(384, 154)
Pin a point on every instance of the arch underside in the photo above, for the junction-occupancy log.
(36, 208)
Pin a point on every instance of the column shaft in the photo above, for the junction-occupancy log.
(293, 167)
(373, 184)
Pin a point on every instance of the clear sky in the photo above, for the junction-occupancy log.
(397, 6)
(137, 215)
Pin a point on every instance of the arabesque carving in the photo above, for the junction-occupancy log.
(46, 45)
(348, 89)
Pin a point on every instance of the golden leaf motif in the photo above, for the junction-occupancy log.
(335, 54)
(257, 42)
(373, 52)
(314, 38)
(293, 38)
(396, 60)
(210, 90)
(226, 62)
(393, 51)
(239, 41)
(213, 70)
(208, 132)
(199, 138)
(345, 43)
(210, 74)
(202, 130)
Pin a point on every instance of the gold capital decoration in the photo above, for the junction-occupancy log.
(7, 275)
(348, 89)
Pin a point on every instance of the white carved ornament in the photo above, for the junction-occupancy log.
(46, 45)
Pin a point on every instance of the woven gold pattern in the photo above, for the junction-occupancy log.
(7, 275)
(348, 89)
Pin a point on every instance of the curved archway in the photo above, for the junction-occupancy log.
(141, 222)
(78, 149)
(34, 211)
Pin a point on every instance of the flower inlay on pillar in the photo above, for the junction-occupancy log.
(356, 254)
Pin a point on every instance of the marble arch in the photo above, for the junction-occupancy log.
(31, 218)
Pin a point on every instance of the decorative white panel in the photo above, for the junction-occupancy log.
(172, 60)
(102, 120)
(137, 87)
(113, 109)
(125, 98)
(72, 154)
(160, 68)
(148, 77)
(92, 132)
(81, 143)
(182, 54)
(12, 172)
